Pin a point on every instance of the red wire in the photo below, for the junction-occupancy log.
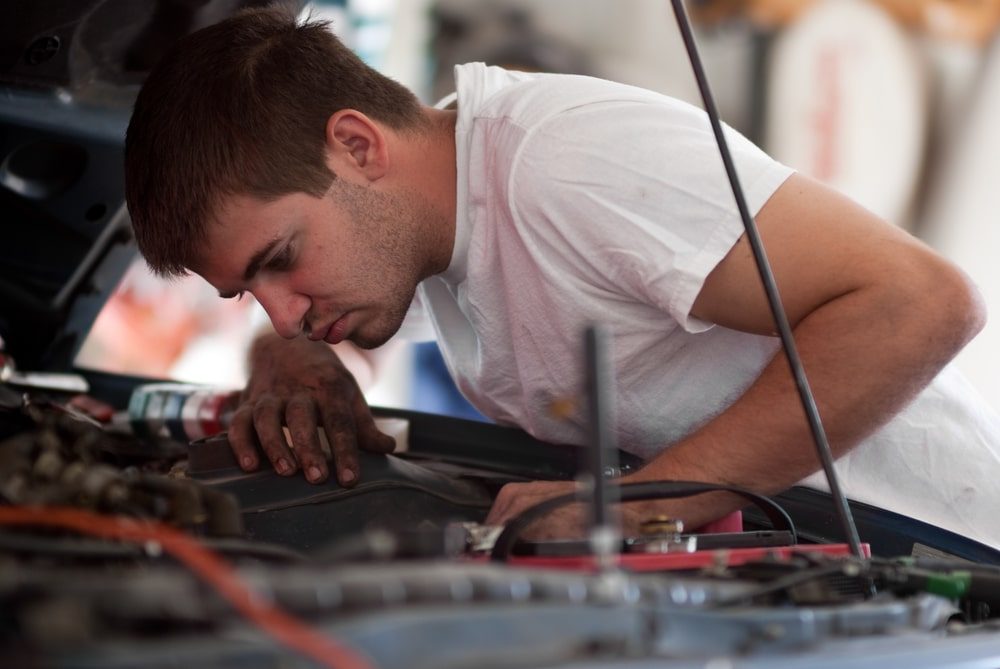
(208, 566)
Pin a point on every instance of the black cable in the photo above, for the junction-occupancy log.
(771, 288)
(636, 492)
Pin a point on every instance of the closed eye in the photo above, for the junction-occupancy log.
(282, 260)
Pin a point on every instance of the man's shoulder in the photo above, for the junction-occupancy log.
(526, 99)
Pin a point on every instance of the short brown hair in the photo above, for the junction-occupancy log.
(240, 108)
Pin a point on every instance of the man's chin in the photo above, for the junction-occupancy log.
(366, 344)
(369, 338)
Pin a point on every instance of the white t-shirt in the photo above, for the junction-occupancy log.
(568, 216)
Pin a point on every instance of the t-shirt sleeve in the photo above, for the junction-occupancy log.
(637, 193)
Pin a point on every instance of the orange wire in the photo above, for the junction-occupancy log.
(208, 566)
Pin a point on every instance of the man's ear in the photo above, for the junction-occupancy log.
(355, 144)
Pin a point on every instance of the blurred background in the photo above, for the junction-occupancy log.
(894, 102)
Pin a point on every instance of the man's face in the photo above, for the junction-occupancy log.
(343, 266)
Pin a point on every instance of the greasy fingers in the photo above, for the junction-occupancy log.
(302, 385)
(340, 433)
(300, 417)
(261, 422)
(243, 438)
(267, 421)
(349, 427)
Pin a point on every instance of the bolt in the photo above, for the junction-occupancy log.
(42, 49)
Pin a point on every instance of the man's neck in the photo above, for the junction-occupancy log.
(432, 165)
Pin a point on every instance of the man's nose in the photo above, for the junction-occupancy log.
(287, 310)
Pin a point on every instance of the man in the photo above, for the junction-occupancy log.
(268, 159)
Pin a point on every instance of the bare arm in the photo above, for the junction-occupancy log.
(875, 315)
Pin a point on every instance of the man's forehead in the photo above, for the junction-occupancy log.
(238, 220)
(242, 214)
(232, 208)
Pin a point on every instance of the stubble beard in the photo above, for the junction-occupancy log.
(393, 227)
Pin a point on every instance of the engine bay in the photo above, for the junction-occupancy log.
(121, 551)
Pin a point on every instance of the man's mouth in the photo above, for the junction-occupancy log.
(318, 332)
(337, 331)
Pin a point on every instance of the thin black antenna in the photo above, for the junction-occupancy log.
(771, 288)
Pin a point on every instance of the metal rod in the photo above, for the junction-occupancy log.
(600, 395)
(771, 288)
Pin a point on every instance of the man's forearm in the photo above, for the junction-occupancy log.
(866, 354)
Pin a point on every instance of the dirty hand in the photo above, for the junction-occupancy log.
(302, 385)
(570, 521)
(562, 523)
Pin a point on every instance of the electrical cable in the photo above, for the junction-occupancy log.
(214, 571)
(635, 492)
(771, 288)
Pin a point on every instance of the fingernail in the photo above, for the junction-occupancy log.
(314, 474)
(346, 476)
(283, 467)
(247, 462)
